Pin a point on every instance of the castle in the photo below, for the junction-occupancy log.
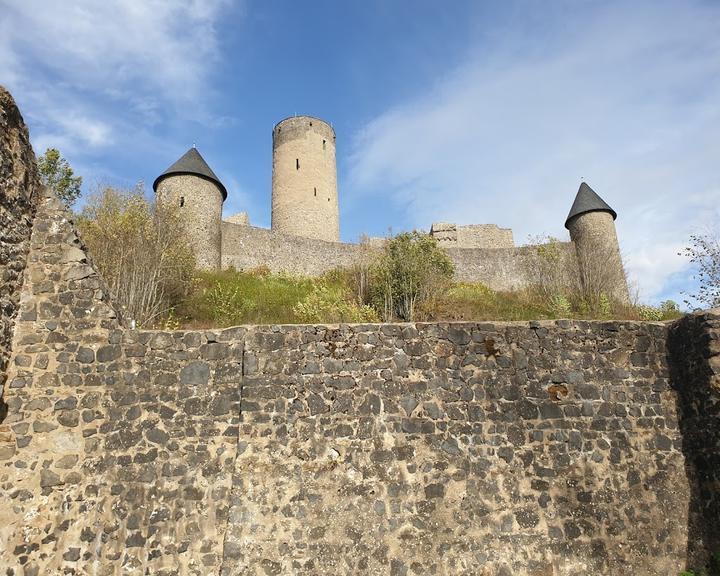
(544, 448)
(304, 237)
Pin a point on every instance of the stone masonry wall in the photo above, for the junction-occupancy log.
(19, 186)
(540, 448)
(506, 268)
(472, 236)
(694, 352)
(119, 445)
(247, 247)
(551, 448)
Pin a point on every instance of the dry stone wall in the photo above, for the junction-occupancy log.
(694, 353)
(118, 446)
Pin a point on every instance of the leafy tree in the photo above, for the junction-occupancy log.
(411, 270)
(704, 253)
(57, 174)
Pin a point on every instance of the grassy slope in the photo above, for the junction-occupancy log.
(257, 297)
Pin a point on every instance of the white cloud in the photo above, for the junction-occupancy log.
(91, 75)
(167, 45)
(623, 94)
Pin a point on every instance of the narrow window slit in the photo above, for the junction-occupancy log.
(182, 201)
(297, 163)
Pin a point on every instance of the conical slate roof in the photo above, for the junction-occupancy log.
(192, 163)
(586, 201)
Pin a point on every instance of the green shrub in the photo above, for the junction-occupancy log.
(411, 270)
(329, 303)
(713, 566)
(668, 310)
(560, 306)
(230, 297)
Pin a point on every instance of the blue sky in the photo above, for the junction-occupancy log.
(464, 111)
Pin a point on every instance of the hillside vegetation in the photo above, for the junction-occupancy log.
(142, 253)
(230, 297)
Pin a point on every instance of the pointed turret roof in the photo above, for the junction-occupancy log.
(192, 163)
(586, 201)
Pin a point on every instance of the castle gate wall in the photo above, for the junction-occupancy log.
(556, 448)
(304, 179)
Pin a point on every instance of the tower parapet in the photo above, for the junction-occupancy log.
(192, 187)
(304, 179)
(591, 223)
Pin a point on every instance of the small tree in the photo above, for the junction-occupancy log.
(704, 253)
(57, 174)
(411, 270)
(141, 251)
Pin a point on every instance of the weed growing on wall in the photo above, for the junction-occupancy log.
(712, 569)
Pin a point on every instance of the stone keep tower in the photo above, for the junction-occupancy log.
(304, 179)
(591, 223)
(192, 186)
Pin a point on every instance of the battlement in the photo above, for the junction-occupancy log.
(240, 218)
(296, 127)
(472, 236)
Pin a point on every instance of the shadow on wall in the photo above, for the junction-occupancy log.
(694, 360)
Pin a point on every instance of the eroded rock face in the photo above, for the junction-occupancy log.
(19, 185)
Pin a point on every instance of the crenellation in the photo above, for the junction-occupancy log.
(483, 236)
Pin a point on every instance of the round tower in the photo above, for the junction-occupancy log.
(192, 187)
(304, 179)
(591, 223)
